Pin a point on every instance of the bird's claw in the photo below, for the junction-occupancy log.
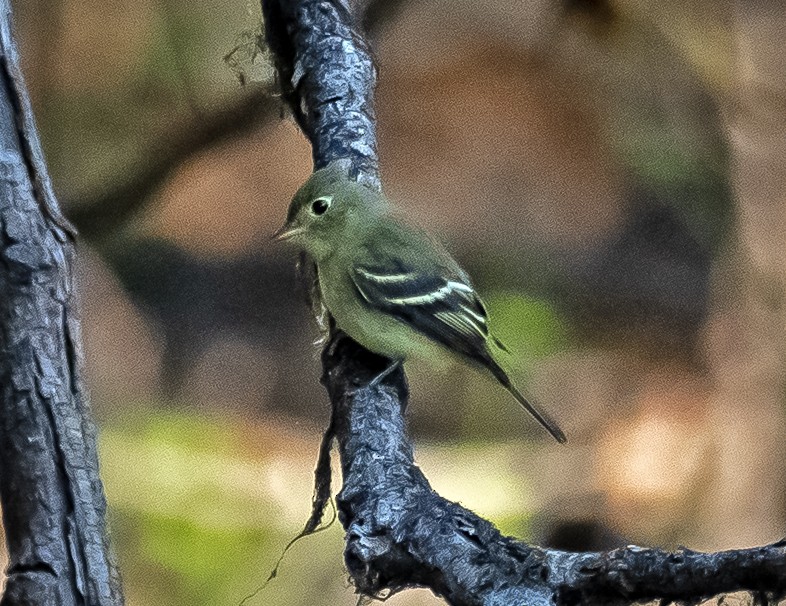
(377, 380)
(374, 383)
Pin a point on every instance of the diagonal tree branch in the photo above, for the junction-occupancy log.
(101, 215)
(52, 498)
(399, 532)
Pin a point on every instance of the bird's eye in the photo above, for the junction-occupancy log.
(320, 205)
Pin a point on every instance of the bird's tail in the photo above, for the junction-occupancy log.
(541, 417)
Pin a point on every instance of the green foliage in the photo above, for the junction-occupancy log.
(200, 512)
(194, 523)
(202, 560)
(530, 327)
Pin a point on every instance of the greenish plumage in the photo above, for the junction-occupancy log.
(389, 285)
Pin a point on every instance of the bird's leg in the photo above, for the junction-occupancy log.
(374, 383)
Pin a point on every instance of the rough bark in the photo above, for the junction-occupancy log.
(327, 76)
(52, 498)
(399, 532)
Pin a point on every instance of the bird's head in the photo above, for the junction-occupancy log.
(326, 210)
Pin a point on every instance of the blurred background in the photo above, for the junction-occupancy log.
(610, 172)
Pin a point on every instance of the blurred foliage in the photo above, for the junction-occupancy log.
(201, 507)
(100, 127)
(530, 327)
(194, 518)
(665, 154)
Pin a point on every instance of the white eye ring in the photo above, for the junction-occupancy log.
(320, 205)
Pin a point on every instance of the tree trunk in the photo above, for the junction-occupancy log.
(52, 498)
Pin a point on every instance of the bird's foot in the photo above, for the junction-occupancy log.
(374, 383)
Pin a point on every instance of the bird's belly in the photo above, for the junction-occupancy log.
(381, 333)
(375, 330)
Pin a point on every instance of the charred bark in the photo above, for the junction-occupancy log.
(52, 497)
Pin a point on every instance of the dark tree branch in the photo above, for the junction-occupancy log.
(400, 533)
(52, 497)
(332, 100)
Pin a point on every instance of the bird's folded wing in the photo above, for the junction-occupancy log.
(444, 307)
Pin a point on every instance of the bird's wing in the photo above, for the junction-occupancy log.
(439, 303)
(419, 284)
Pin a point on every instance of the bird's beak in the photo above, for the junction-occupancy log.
(285, 232)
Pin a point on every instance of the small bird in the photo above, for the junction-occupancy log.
(388, 284)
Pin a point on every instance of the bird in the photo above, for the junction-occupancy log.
(388, 283)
